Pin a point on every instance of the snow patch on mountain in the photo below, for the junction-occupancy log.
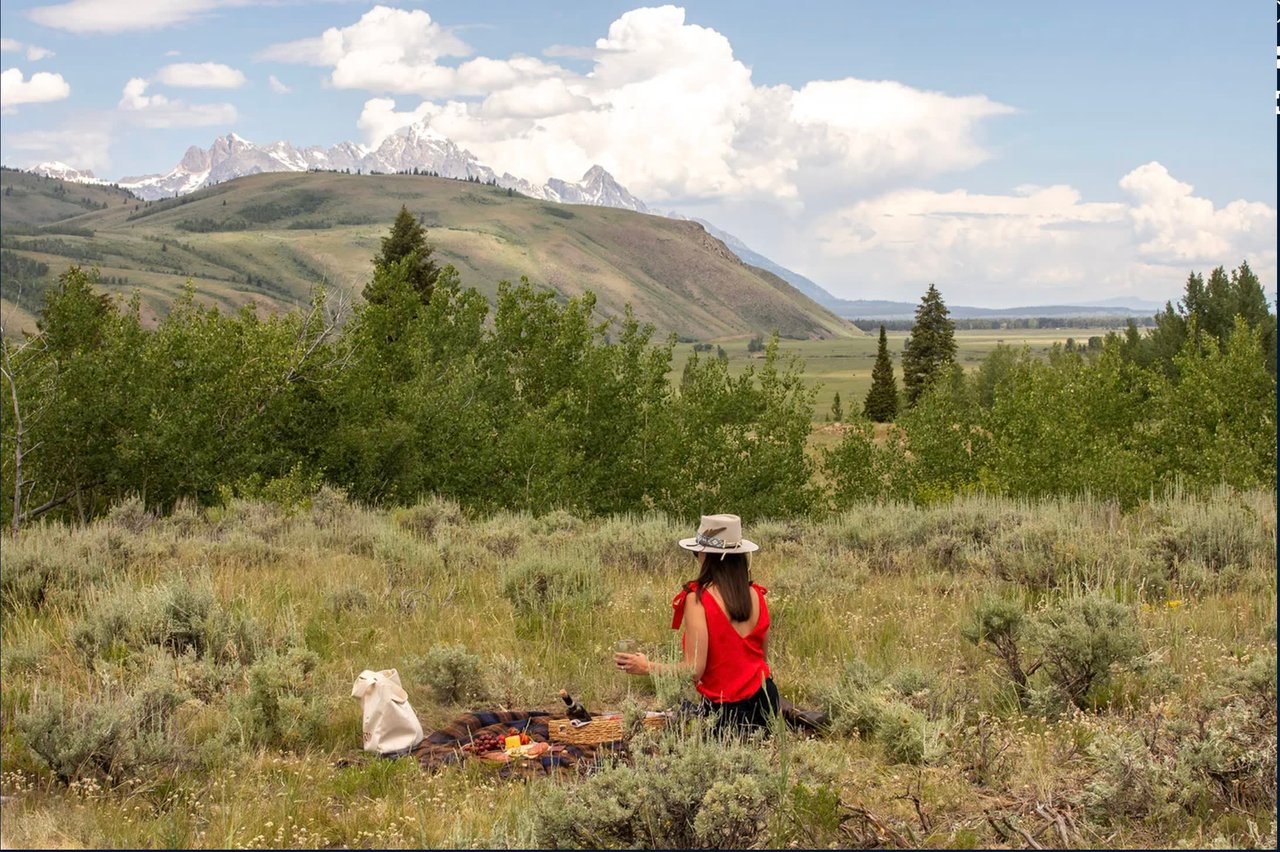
(62, 171)
(414, 147)
(598, 188)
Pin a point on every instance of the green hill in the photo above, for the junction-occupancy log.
(270, 238)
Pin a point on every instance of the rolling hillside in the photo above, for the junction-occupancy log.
(270, 237)
(32, 200)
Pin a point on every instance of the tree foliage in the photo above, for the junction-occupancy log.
(405, 249)
(881, 404)
(1206, 310)
(931, 347)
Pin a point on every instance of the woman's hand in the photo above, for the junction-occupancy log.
(635, 664)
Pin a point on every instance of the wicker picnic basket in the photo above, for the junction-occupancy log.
(606, 729)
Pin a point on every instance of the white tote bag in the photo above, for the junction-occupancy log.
(390, 725)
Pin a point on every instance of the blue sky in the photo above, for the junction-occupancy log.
(1010, 152)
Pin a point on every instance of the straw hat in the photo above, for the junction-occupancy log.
(719, 534)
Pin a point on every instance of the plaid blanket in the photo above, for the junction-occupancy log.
(444, 747)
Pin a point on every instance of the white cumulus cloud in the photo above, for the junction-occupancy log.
(159, 111)
(379, 118)
(1175, 225)
(200, 75)
(666, 107)
(1042, 244)
(278, 87)
(390, 44)
(43, 87)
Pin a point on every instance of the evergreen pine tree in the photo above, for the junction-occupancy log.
(408, 239)
(931, 348)
(837, 410)
(881, 404)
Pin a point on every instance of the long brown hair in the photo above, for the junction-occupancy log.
(729, 572)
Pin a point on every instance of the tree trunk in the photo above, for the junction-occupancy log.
(7, 369)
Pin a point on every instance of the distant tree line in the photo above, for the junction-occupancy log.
(421, 172)
(998, 323)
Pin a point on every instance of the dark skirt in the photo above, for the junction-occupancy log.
(757, 711)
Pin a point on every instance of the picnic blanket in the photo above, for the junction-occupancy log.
(444, 746)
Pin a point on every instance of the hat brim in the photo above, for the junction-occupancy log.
(744, 546)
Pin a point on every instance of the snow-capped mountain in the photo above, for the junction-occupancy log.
(60, 170)
(232, 156)
(416, 146)
(597, 187)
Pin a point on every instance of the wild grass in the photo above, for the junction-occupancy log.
(184, 681)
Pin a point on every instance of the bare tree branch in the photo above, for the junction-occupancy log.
(32, 514)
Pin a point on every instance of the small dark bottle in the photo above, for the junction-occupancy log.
(574, 710)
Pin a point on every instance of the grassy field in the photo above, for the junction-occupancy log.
(188, 677)
(844, 366)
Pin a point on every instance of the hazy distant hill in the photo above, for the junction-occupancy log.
(878, 309)
(271, 237)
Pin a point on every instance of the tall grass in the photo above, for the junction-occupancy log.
(184, 680)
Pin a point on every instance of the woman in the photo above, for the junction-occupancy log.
(726, 628)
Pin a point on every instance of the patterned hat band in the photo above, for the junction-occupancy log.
(708, 541)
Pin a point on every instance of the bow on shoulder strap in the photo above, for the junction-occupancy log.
(677, 603)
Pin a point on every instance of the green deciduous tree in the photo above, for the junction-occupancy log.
(931, 348)
(1065, 426)
(1216, 422)
(740, 440)
(856, 468)
(881, 404)
(946, 439)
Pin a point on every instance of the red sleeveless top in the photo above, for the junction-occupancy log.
(735, 664)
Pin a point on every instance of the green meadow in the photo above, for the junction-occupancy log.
(844, 365)
(184, 681)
